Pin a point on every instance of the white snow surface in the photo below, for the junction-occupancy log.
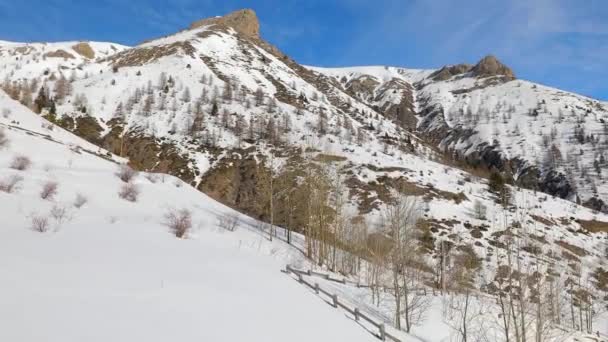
(111, 271)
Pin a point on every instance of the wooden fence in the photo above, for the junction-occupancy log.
(336, 303)
(420, 290)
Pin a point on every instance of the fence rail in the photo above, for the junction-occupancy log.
(336, 303)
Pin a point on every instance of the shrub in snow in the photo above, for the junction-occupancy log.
(49, 190)
(59, 213)
(10, 183)
(179, 221)
(229, 222)
(152, 177)
(40, 223)
(6, 113)
(126, 173)
(3, 139)
(80, 201)
(21, 163)
(129, 192)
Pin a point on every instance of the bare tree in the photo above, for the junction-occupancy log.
(399, 221)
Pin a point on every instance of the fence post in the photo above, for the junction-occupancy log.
(309, 272)
(335, 300)
(317, 288)
(300, 280)
(382, 332)
(356, 314)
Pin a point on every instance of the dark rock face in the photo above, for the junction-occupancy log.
(596, 204)
(556, 184)
(490, 66)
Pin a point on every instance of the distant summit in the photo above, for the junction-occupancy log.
(488, 66)
(491, 66)
(244, 21)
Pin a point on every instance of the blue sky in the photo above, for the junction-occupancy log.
(561, 43)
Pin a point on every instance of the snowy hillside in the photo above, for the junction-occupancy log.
(108, 269)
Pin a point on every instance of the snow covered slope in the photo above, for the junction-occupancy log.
(108, 269)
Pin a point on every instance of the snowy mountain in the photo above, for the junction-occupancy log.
(325, 153)
(543, 138)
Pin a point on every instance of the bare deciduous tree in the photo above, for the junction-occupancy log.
(399, 221)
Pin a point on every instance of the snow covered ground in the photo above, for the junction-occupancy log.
(111, 271)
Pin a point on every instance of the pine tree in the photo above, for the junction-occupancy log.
(225, 118)
(271, 132)
(42, 100)
(227, 93)
(272, 105)
(186, 95)
(214, 109)
(240, 126)
(322, 123)
(259, 97)
(118, 112)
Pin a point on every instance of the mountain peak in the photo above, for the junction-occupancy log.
(244, 21)
(491, 66)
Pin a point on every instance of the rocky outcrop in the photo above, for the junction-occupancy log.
(450, 71)
(402, 111)
(84, 49)
(362, 87)
(148, 153)
(490, 66)
(59, 54)
(244, 21)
